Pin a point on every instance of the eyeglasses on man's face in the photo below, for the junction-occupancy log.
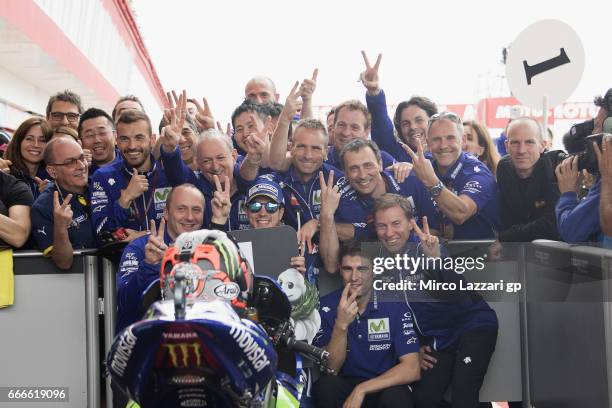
(71, 116)
(72, 162)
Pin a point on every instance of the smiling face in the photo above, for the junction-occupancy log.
(350, 124)
(263, 218)
(215, 157)
(32, 145)
(363, 172)
(64, 114)
(135, 142)
(392, 228)
(98, 135)
(444, 142)
(184, 211)
(308, 151)
(187, 144)
(245, 124)
(413, 125)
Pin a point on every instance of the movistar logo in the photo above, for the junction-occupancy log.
(378, 329)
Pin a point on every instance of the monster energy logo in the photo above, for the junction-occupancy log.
(378, 329)
(181, 353)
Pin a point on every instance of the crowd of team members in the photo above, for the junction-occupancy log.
(81, 179)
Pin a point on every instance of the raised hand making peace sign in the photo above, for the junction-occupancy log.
(422, 166)
(429, 243)
(62, 214)
(369, 77)
(330, 196)
(204, 118)
(155, 247)
(221, 203)
(292, 103)
(171, 134)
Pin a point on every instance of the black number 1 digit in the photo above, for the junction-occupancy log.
(533, 70)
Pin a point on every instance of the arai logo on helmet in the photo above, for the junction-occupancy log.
(228, 290)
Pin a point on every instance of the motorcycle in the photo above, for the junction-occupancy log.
(189, 352)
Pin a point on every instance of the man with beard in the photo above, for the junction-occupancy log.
(128, 193)
(411, 117)
(61, 218)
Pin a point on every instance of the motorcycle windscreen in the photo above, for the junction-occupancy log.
(212, 361)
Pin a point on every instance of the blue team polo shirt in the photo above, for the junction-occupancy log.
(80, 231)
(470, 177)
(375, 340)
(358, 210)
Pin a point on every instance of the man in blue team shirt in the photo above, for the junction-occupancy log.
(463, 188)
(141, 260)
(61, 218)
(300, 182)
(373, 347)
(364, 182)
(410, 120)
(128, 193)
(458, 330)
(97, 133)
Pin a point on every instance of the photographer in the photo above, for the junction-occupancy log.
(604, 158)
(578, 221)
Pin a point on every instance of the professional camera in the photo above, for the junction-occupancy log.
(579, 140)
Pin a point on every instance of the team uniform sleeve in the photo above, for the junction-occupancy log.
(405, 339)
(480, 187)
(133, 277)
(323, 336)
(42, 226)
(349, 212)
(578, 221)
(176, 171)
(106, 213)
(382, 128)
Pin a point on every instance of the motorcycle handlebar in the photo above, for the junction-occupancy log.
(318, 354)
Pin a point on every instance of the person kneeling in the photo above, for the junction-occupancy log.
(373, 346)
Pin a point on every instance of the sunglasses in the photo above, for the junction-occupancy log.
(445, 115)
(256, 206)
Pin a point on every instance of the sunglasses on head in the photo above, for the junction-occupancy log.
(256, 206)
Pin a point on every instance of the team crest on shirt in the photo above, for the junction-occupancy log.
(378, 329)
(160, 195)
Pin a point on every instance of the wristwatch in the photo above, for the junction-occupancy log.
(437, 189)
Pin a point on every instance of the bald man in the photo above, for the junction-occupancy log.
(261, 89)
(61, 216)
